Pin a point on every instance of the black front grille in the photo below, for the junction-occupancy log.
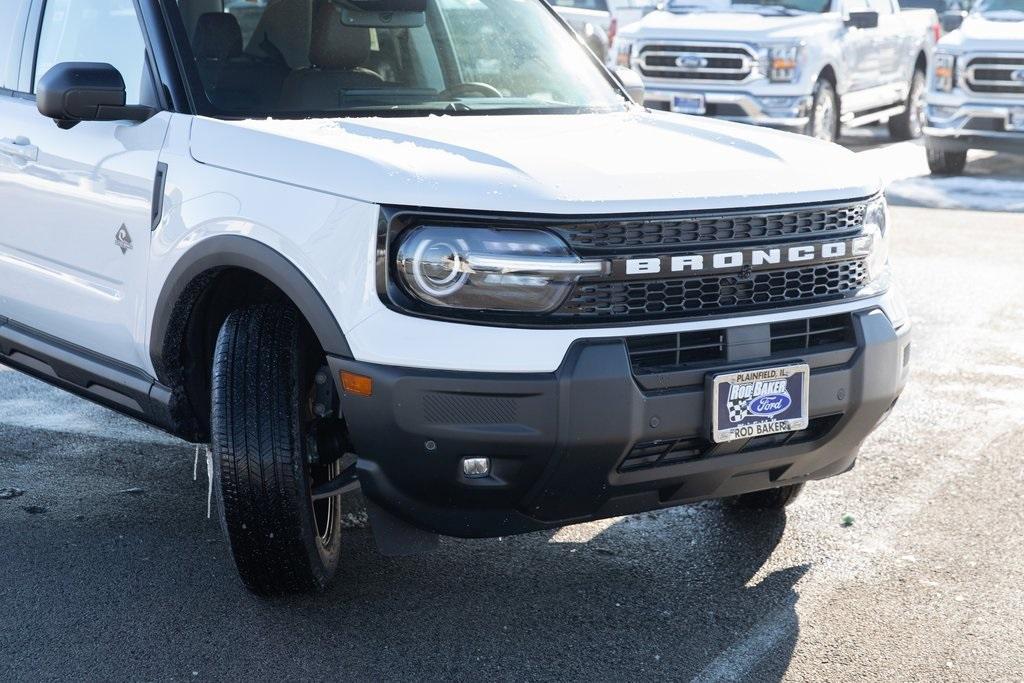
(651, 299)
(674, 231)
(812, 333)
(664, 352)
(674, 351)
(995, 74)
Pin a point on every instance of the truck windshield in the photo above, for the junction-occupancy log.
(323, 58)
(1012, 10)
(784, 7)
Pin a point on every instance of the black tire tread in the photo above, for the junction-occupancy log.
(941, 162)
(258, 454)
(899, 126)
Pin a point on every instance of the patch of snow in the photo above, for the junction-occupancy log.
(904, 171)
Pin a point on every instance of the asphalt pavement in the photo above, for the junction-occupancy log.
(110, 569)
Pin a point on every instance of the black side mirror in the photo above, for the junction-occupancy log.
(867, 19)
(73, 92)
(951, 20)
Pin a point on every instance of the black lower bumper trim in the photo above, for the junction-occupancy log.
(560, 443)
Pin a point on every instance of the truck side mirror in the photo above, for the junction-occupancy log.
(867, 19)
(631, 83)
(72, 92)
(951, 20)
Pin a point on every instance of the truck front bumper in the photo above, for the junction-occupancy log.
(592, 440)
(974, 125)
(785, 112)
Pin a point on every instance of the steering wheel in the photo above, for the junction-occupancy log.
(470, 88)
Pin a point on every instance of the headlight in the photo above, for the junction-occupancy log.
(944, 73)
(873, 244)
(623, 52)
(520, 270)
(781, 62)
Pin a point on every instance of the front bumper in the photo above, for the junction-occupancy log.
(974, 125)
(557, 441)
(785, 112)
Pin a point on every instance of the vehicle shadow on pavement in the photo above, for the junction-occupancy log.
(124, 577)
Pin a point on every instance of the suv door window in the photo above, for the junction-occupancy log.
(94, 31)
(12, 28)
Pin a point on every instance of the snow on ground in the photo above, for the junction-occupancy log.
(991, 182)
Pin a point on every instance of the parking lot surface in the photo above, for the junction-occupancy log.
(110, 569)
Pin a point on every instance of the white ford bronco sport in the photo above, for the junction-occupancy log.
(432, 249)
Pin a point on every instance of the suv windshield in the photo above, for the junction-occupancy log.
(759, 6)
(307, 58)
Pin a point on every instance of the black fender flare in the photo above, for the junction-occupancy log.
(235, 251)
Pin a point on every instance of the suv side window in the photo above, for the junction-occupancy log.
(12, 27)
(94, 31)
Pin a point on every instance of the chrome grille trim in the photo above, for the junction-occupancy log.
(995, 73)
(688, 61)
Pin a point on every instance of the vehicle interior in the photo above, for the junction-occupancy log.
(281, 57)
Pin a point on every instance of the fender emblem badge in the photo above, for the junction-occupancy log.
(122, 239)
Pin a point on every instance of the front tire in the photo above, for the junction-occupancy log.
(824, 118)
(281, 541)
(910, 124)
(942, 162)
(771, 499)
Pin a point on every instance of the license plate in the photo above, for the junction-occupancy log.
(759, 402)
(1016, 120)
(689, 104)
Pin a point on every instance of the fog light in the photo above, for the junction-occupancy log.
(476, 467)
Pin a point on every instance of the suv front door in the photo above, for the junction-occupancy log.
(74, 248)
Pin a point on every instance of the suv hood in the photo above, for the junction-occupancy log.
(727, 26)
(559, 164)
(979, 33)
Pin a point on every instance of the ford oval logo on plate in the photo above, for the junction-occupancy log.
(770, 405)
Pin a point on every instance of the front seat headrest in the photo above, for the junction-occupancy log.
(336, 46)
(217, 36)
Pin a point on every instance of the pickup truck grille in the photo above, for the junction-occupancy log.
(997, 74)
(697, 62)
(712, 294)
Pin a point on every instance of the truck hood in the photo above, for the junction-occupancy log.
(726, 26)
(979, 33)
(558, 164)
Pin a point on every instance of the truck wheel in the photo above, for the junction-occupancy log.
(771, 499)
(263, 366)
(942, 162)
(824, 123)
(910, 124)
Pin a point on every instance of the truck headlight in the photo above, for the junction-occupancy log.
(781, 62)
(489, 269)
(873, 244)
(623, 52)
(944, 73)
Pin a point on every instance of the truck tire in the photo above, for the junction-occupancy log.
(281, 541)
(770, 499)
(943, 162)
(910, 124)
(824, 118)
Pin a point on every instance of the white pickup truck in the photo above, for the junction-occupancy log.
(976, 98)
(804, 65)
(433, 250)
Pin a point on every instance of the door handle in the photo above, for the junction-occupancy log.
(19, 148)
